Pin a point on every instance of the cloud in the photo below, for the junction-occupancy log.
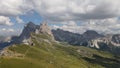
(14, 7)
(5, 21)
(63, 10)
(19, 20)
(69, 26)
(60, 10)
(99, 15)
(7, 30)
(107, 26)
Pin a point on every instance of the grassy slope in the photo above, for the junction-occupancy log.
(53, 55)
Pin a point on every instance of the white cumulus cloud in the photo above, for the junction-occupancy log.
(19, 20)
(7, 30)
(77, 9)
(5, 21)
(14, 7)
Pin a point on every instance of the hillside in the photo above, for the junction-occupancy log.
(47, 53)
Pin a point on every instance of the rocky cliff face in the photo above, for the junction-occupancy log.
(91, 34)
(28, 29)
(113, 40)
(107, 43)
(66, 36)
(116, 39)
(74, 38)
(45, 29)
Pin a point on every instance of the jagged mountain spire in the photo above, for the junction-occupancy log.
(45, 29)
(28, 29)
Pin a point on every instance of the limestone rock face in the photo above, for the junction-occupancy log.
(28, 29)
(45, 29)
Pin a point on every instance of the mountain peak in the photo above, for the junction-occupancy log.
(90, 32)
(28, 29)
(30, 24)
(45, 29)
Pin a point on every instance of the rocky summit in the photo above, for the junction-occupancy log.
(91, 34)
(27, 30)
(45, 29)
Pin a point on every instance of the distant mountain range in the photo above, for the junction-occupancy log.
(90, 38)
(74, 38)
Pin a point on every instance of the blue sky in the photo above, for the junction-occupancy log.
(76, 16)
(34, 17)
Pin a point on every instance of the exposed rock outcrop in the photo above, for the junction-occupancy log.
(44, 29)
(28, 29)
(91, 34)
(113, 40)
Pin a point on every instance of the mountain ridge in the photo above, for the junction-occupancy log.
(90, 38)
